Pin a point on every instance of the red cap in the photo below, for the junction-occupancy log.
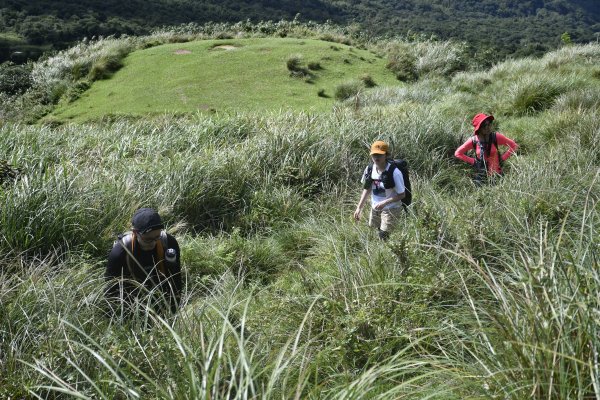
(479, 118)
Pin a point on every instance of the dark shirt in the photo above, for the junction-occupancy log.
(141, 276)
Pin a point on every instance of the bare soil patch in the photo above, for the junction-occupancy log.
(224, 47)
(182, 51)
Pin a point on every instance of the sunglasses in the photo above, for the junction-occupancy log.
(148, 239)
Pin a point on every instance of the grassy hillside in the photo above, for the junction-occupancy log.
(245, 75)
(186, 71)
(482, 293)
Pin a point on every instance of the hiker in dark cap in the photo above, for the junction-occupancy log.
(144, 266)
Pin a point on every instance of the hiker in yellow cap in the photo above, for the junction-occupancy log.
(144, 267)
(384, 181)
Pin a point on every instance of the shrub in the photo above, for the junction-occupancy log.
(403, 65)
(533, 94)
(411, 60)
(75, 91)
(294, 63)
(368, 81)
(105, 67)
(15, 79)
(223, 35)
(578, 100)
(336, 38)
(273, 208)
(314, 66)
(346, 90)
(440, 58)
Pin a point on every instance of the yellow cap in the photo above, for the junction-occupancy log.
(379, 147)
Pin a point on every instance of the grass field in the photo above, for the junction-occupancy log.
(490, 292)
(227, 76)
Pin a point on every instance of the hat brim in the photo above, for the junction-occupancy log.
(488, 118)
(152, 228)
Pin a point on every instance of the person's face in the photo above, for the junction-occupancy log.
(147, 241)
(485, 128)
(378, 159)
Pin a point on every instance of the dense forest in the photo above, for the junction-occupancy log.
(503, 28)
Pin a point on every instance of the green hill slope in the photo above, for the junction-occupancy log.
(228, 76)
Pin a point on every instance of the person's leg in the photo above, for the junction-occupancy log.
(375, 222)
(375, 219)
(389, 220)
(383, 235)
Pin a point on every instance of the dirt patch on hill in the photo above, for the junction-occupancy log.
(224, 47)
(182, 51)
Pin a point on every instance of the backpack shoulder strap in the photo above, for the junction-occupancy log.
(367, 177)
(125, 240)
(161, 246)
(476, 142)
(163, 239)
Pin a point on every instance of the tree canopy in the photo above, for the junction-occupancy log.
(502, 27)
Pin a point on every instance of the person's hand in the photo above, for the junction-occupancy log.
(379, 206)
(357, 214)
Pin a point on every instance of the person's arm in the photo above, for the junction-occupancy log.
(175, 281)
(361, 203)
(397, 197)
(114, 271)
(504, 141)
(461, 152)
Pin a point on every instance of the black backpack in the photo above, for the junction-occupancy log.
(388, 178)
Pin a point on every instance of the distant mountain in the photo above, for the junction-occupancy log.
(510, 27)
(500, 27)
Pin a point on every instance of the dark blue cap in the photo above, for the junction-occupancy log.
(145, 220)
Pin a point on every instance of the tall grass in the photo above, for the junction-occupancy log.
(487, 293)
(413, 60)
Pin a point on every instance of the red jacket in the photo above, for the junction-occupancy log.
(491, 159)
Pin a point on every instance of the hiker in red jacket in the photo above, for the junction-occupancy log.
(485, 142)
